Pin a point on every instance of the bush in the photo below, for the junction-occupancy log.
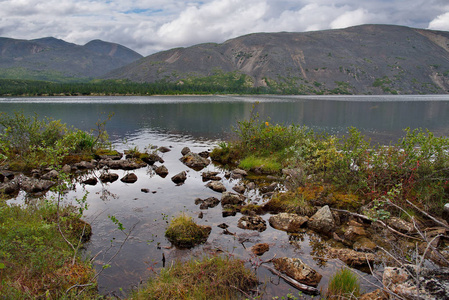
(343, 285)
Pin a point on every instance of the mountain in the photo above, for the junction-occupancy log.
(366, 59)
(56, 60)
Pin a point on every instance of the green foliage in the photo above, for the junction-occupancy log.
(343, 285)
(183, 232)
(213, 277)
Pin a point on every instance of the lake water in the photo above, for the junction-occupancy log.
(200, 123)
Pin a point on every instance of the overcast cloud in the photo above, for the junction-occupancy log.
(148, 26)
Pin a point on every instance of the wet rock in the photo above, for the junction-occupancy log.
(401, 225)
(85, 165)
(251, 186)
(364, 244)
(210, 175)
(53, 174)
(240, 172)
(108, 177)
(204, 154)
(287, 222)
(114, 156)
(354, 232)
(179, 178)
(164, 149)
(260, 249)
(6, 175)
(200, 215)
(194, 161)
(223, 226)
(152, 158)
(161, 171)
(145, 190)
(239, 189)
(216, 186)
(33, 185)
(129, 178)
(126, 164)
(322, 221)
(445, 214)
(207, 203)
(351, 257)
(228, 213)
(252, 223)
(270, 188)
(298, 270)
(185, 150)
(231, 198)
(90, 181)
(433, 284)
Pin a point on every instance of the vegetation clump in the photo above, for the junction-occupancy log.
(183, 232)
(214, 277)
(343, 285)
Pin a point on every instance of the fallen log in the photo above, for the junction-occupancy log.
(300, 286)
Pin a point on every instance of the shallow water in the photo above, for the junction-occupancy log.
(200, 123)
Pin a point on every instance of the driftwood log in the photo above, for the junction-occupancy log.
(296, 284)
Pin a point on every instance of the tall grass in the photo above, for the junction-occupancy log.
(343, 285)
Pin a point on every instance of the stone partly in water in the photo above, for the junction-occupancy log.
(433, 284)
(33, 185)
(298, 270)
(210, 175)
(252, 223)
(287, 222)
(260, 249)
(216, 186)
(179, 178)
(352, 258)
(231, 198)
(322, 221)
(161, 171)
(207, 203)
(90, 181)
(108, 177)
(194, 161)
(129, 178)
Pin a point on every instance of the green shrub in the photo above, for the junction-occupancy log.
(343, 285)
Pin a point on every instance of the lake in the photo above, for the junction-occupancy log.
(200, 122)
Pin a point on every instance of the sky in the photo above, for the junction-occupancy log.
(149, 26)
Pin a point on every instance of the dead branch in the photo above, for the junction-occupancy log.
(293, 282)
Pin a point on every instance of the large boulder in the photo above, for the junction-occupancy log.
(322, 221)
(195, 161)
(252, 223)
(433, 283)
(287, 222)
(298, 270)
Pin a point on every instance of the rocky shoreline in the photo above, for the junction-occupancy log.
(355, 239)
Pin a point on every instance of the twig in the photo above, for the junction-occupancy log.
(427, 215)
(293, 282)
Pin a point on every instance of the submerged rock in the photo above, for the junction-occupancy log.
(252, 223)
(287, 222)
(207, 203)
(298, 270)
(231, 198)
(260, 249)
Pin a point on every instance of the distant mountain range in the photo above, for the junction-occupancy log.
(366, 59)
(56, 60)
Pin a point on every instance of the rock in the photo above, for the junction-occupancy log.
(108, 177)
(161, 171)
(231, 198)
(200, 215)
(322, 221)
(433, 284)
(216, 186)
(239, 189)
(90, 181)
(364, 244)
(240, 172)
(185, 150)
(375, 295)
(287, 222)
(223, 226)
(354, 232)
(204, 154)
(401, 225)
(269, 188)
(351, 257)
(6, 175)
(10, 187)
(66, 169)
(252, 223)
(251, 186)
(194, 161)
(207, 203)
(129, 178)
(152, 158)
(445, 214)
(164, 149)
(85, 165)
(145, 190)
(33, 185)
(126, 164)
(179, 178)
(209, 175)
(53, 174)
(298, 270)
(260, 249)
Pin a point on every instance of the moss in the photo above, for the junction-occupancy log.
(251, 208)
(183, 232)
(291, 202)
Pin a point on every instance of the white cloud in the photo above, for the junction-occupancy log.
(440, 23)
(351, 18)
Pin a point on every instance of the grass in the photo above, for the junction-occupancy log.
(266, 164)
(214, 277)
(343, 285)
(183, 232)
(36, 260)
